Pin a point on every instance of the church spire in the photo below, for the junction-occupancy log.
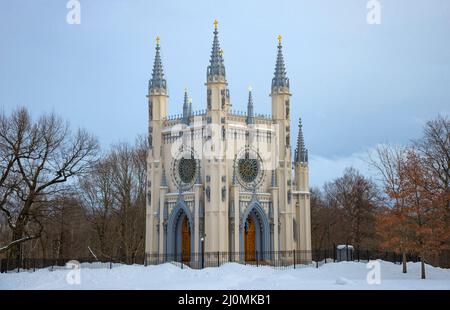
(250, 113)
(280, 79)
(216, 66)
(301, 153)
(186, 108)
(157, 81)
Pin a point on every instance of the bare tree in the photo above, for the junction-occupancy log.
(47, 156)
(12, 131)
(128, 181)
(355, 199)
(96, 194)
(434, 148)
(325, 222)
(115, 196)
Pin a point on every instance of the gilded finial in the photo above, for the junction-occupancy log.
(157, 40)
(216, 23)
(190, 100)
(221, 53)
(250, 88)
(279, 38)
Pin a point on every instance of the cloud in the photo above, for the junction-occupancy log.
(323, 169)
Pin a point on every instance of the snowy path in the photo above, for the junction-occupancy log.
(344, 275)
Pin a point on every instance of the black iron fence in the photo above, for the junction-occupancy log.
(278, 259)
(275, 259)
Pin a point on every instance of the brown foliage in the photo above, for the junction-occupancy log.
(416, 216)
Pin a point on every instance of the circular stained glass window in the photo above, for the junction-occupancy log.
(187, 168)
(248, 169)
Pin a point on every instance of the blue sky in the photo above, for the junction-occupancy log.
(354, 84)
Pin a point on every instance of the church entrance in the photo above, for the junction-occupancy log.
(249, 240)
(185, 241)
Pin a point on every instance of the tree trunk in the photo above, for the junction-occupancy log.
(404, 262)
(17, 234)
(422, 263)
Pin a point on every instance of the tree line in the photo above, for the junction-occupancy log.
(62, 197)
(405, 210)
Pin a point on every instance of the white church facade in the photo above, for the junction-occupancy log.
(225, 181)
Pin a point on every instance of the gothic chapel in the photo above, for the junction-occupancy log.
(225, 181)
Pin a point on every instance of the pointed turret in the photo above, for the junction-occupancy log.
(186, 109)
(280, 80)
(301, 153)
(157, 105)
(250, 113)
(216, 68)
(157, 82)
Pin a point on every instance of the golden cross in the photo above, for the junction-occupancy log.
(215, 23)
(221, 53)
(279, 38)
(157, 40)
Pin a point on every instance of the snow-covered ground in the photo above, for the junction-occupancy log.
(343, 275)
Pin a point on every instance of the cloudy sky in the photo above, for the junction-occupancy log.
(354, 85)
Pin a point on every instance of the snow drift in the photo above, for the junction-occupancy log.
(342, 275)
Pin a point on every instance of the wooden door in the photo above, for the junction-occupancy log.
(249, 240)
(185, 241)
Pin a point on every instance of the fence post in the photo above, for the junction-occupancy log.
(218, 259)
(257, 263)
(110, 262)
(334, 252)
(203, 257)
(358, 254)
(294, 259)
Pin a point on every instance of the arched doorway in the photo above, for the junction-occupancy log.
(185, 241)
(254, 233)
(249, 240)
(180, 234)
